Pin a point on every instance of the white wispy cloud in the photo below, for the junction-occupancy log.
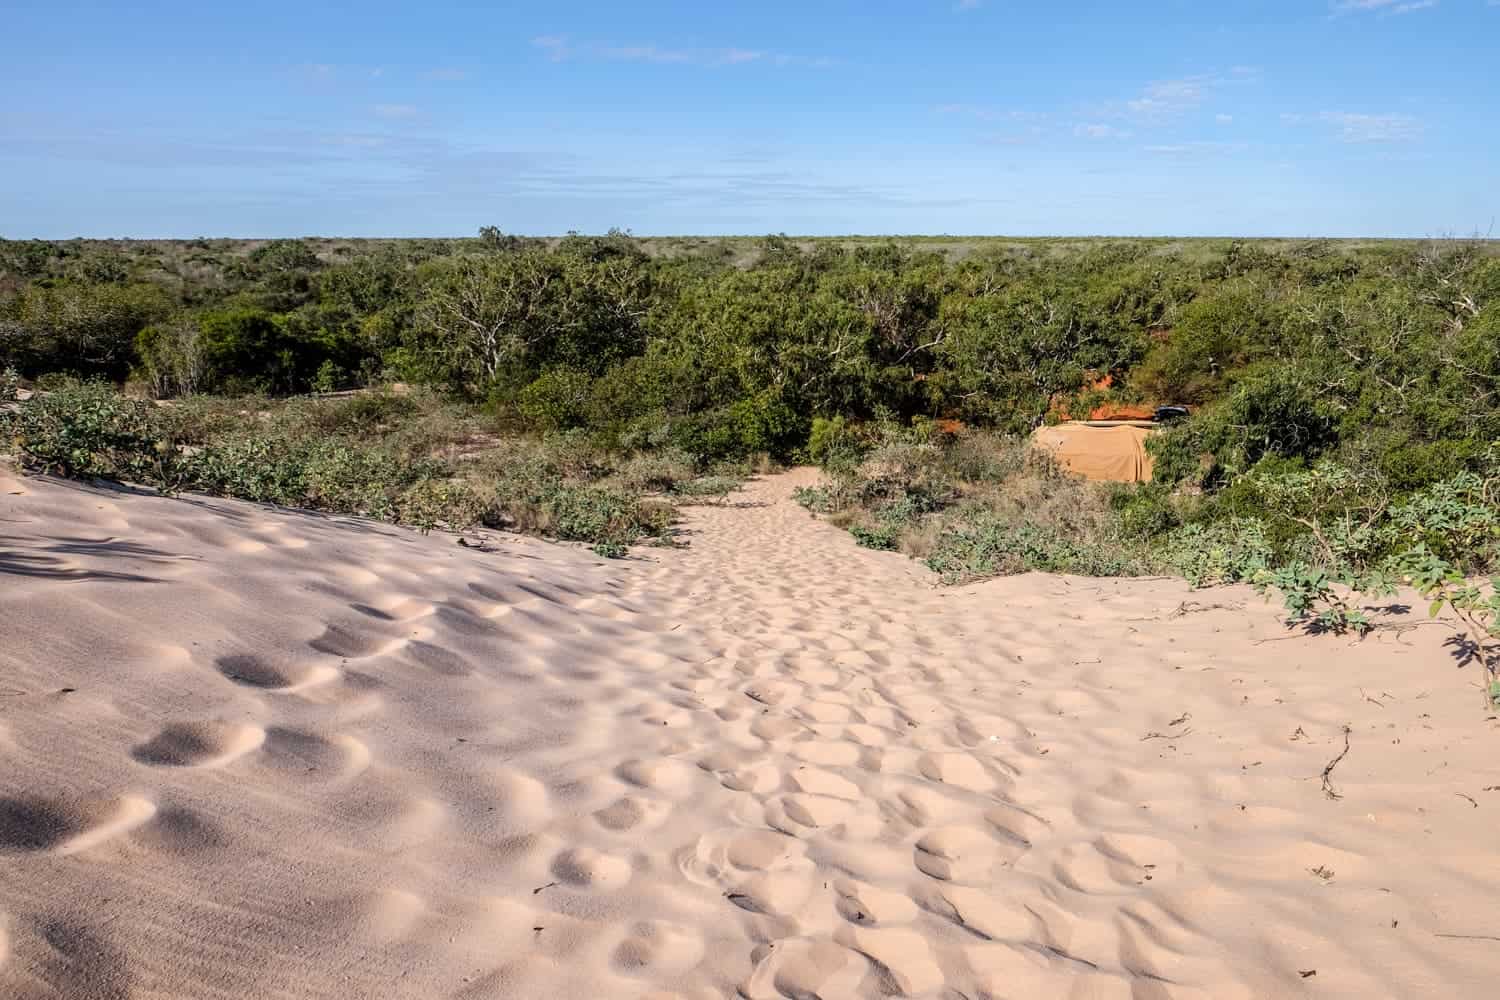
(1170, 97)
(1195, 147)
(1357, 127)
(559, 48)
(988, 114)
(1383, 7)
(1223, 119)
(1162, 100)
(396, 111)
(1099, 130)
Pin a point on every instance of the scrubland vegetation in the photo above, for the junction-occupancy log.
(1345, 397)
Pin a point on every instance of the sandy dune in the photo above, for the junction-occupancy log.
(256, 753)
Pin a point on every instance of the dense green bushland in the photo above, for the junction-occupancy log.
(1288, 350)
(1346, 397)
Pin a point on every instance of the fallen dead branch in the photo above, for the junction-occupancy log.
(1328, 788)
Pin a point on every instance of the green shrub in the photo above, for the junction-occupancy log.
(367, 412)
(1458, 520)
(834, 445)
(443, 503)
(558, 400)
(330, 377)
(82, 328)
(1219, 552)
(883, 535)
(1277, 412)
(1420, 463)
(703, 487)
(533, 497)
(1146, 511)
(87, 429)
(665, 470)
(815, 498)
(981, 544)
(250, 468)
(172, 358)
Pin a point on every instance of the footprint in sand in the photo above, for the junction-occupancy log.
(826, 712)
(633, 814)
(252, 671)
(815, 810)
(669, 777)
(438, 659)
(308, 755)
(586, 868)
(961, 854)
(1101, 868)
(772, 728)
(182, 832)
(1005, 970)
(199, 744)
(816, 781)
(520, 803)
(829, 753)
(349, 643)
(902, 956)
(382, 916)
(391, 822)
(867, 905)
(961, 770)
(803, 967)
(761, 850)
(772, 692)
(658, 948)
(987, 914)
(65, 827)
(397, 609)
(1017, 824)
(726, 857)
(778, 893)
(924, 805)
(81, 961)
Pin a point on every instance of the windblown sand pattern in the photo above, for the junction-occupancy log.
(269, 754)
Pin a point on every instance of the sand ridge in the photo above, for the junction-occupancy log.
(250, 751)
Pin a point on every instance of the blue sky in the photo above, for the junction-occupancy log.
(1177, 117)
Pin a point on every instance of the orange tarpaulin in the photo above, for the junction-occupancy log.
(1115, 452)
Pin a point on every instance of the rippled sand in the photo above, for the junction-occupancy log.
(246, 752)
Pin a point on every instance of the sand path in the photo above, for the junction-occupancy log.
(246, 752)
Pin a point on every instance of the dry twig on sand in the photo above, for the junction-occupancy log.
(1328, 788)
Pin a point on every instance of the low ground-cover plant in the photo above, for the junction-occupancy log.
(87, 429)
(1230, 551)
(980, 543)
(416, 459)
(1476, 605)
(610, 519)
